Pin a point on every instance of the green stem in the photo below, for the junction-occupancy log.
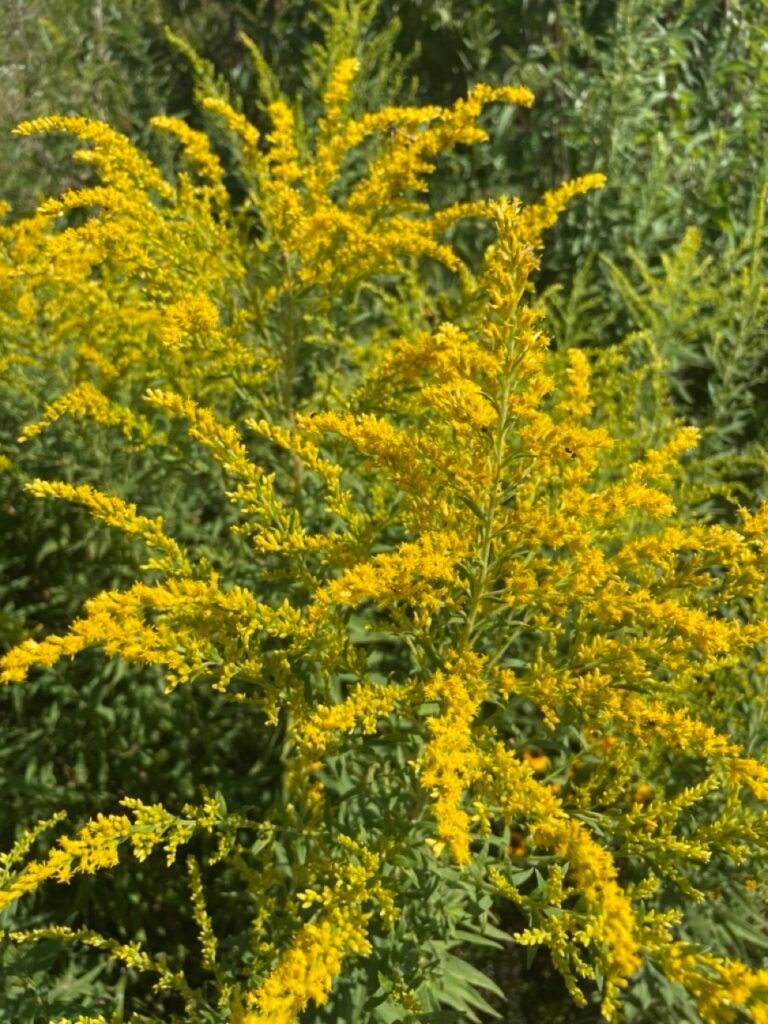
(288, 374)
(479, 585)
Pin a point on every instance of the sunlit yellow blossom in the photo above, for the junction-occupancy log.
(236, 122)
(197, 147)
(542, 215)
(283, 154)
(610, 920)
(463, 404)
(185, 318)
(95, 847)
(86, 401)
(459, 124)
(120, 163)
(341, 79)
(16, 663)
(364, 706)
(306, 972)
(254, 491)
(755, 524)
(452, 565)
(725, 990)
(120, 514)
(408, 574)
(451, 761)
(578, 402)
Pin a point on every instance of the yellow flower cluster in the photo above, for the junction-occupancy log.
(364, 706)
(197, 148)
(197, 628)
(133, 292)
(451, 761)
(621, 623)
(411, 573)
(120, 164)
(725, 990)
(237, 123)
(539, 216)
(97, 846)
(473, 515)
(82, 1020)
(85, 401)
(380, 222)
(305, 973)
(608, 925)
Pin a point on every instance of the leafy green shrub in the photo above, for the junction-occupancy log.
(670, 101)
(477, 646)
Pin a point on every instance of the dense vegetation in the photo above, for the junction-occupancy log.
(382, 511)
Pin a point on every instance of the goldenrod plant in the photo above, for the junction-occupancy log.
(471, 636)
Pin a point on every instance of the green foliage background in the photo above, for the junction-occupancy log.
(667, 266)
